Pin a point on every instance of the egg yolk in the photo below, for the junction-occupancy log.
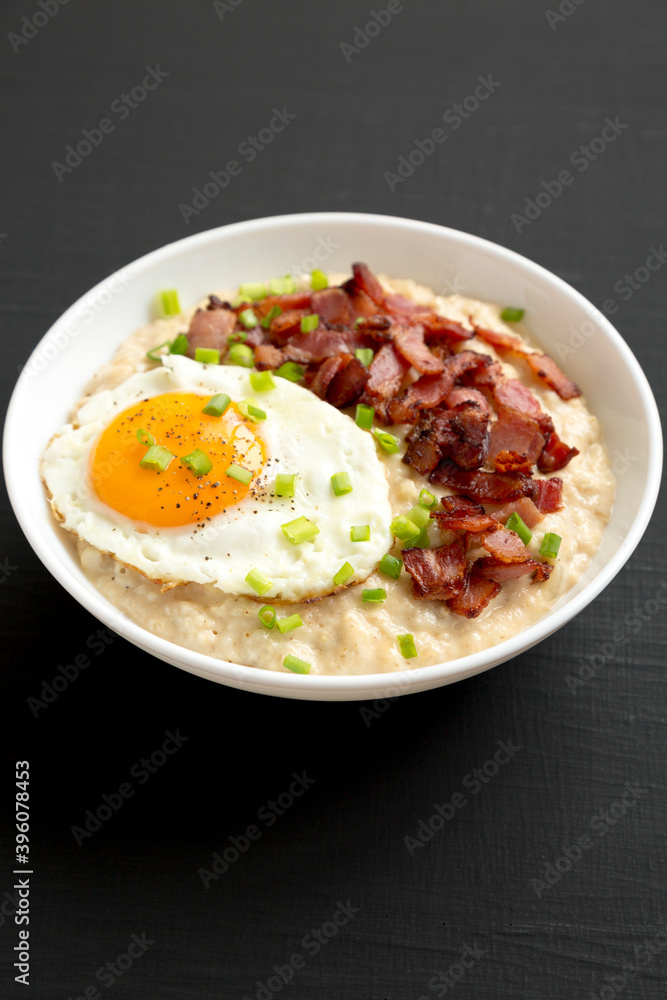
(176, 496)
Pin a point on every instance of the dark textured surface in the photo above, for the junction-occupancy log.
(474, 883)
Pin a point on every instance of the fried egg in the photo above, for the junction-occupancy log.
(176, 527)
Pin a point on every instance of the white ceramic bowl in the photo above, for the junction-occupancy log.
(562, 320)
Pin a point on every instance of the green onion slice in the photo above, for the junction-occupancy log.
(318, 280)
(299, 530)
(287, 624)
(550, 545)
(387, 441)
(238, 337)
(427, 499)
(512, 315)
(143, 437)
(296, 665)
(376, 596)
(406, 644)
(290, 370)
(285, 484)
(365, 355)
(168, 301)
(404, 528)
(156, 357)
(267, 616)
(282, 286)
(179, 344)
(360, 533)
(262, 381)
(156, 458)
(248, 319)
(419, 515)
(391, 566)
(309, 323)
(249, 409)
(271, 315)
(259, 583)
(422, 541)
(217, 404)
(241, 354)
(197, 462)
(208, 355)
(341, 484)
(515, 523)
(238, 473)
(253, 291)
(364, 416)
(343, 574)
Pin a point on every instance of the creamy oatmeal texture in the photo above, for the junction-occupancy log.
(340, 634)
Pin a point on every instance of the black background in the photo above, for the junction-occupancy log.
(476, 883)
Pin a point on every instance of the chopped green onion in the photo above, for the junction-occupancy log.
(197, 462)
(360, 533)
(207, 355)
(271, 315)
(156, 357)
(179, 344)
(516, 524)
(374, 596)
(318, 280)
(249, 409)
(156, 458)
(387, 441)
(169, 303)
(550, 545)
(217, 404)
(143, 437)
(282, 286)
(289, 370)
(238, 473)
(358, 321)
(427, 499)
(419, 515)
(343, 574)
(365, 355)
(299, 530)
(238, 337)
(285, 484)
(262, 381)
(248, 319)
(422, 541)
(341, 483)
(406, 644)
(364, 416)
(404, 528)
(287, 624)
(253, 290)
(241, 354)
(267, 616)
(309, 323)
(296, 665)
(259, 583)
(391, 566)
(512, 315)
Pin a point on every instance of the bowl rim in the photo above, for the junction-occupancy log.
(347, 686)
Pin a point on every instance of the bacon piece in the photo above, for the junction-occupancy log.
(286, 325)
(268, 356)
(423, 451)
(347, 383)
(501, 341)
(438, 328)
(326, 372)
(409, 342)
(387, 371)
(256, 336)
(485, 487)
(500, 572)
(398, 305)
(462, 514)
(524, 507)
(377, 327)
(548, 371)
(474, 597)
(512, 461)
(430, 390)
(438, 574)
(365, 280)
(555, 454)
(514, 395)
(548, 494)
(504, 545)
(460, 434)
(210, 328)
(516, 431)
(287, 302)
(462, 394)
(332, 305)
(320, 344)
(360, 303)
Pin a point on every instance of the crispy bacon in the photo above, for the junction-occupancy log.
(332, 305)
(462, 514)
(512, 461)
(438, 574)
(555, 454)
(347, 383)
(430, 390)
(524, 507)
(460, 434)
(210, 328)
(386, 373)
(518, 432)
(548, 371)
(309, 348)
(365, 280)
(475, 595)
(286, 325)
(291, 300)
(548, 494)
(438, 328)
(485, 487)
(462, 394)
(326, 372)
(268, 356)
(500, 572)
(409, 342)
(504, 545)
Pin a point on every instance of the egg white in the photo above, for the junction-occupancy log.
(302, 434)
